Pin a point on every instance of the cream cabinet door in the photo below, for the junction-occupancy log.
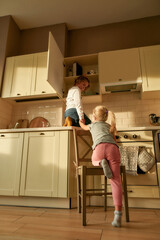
(18, 76)
(10, 163)
(45, 162)
(150, 60)
(8, 77)
(40, 85)
(55, 66)
(119, 65)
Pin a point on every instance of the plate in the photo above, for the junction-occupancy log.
(39, 122)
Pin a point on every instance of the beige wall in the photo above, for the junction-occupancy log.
(36, 39)
(4, 25)
(9, 41)
(129, 34)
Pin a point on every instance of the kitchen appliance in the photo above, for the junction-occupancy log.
(145, 183)
(121, 86)
(154, 120)
(156, 135)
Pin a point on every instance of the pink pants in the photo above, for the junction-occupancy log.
(111, 153)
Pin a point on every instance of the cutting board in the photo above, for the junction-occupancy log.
(39, 122)
(22, 123)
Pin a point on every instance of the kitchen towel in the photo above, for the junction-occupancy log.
(145, 160)
(129, 158)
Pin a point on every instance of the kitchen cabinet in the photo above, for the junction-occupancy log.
(18, 76)
(150, 63)
(10, 162)
(88, 63)
(46, 74)
(37, 167)
(40, 85)
(119, 66)
(34, 75)
(45, 164)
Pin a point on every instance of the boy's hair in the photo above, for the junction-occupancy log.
(101, 114)
(80, 79)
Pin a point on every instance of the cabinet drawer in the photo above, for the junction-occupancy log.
(141, 191)
(43, 133)
(9, 135)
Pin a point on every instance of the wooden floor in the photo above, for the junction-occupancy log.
(24, 223)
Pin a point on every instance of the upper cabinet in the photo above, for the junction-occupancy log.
(18, 76)
(34, 75)
(150, 62)
(55, 66)
(40, 86)
(87, 65)
(119, 65)
(49, 74)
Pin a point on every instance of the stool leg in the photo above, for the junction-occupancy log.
(125, 195)
(83, 195)
(105, 193)
(79, 193)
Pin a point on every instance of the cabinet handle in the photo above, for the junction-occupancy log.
(18, 94)
(2, 135)
(120, 79)
(43, 92)
(42, 133)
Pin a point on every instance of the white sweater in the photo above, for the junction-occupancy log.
(73, 100)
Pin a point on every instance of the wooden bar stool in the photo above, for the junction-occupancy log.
(83, 171)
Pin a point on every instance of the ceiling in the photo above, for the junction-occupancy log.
(76, 13)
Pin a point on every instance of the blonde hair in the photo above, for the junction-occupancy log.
(101, 113)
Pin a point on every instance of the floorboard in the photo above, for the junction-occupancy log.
(26, 223)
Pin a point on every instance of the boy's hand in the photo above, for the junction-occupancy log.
(83, 121)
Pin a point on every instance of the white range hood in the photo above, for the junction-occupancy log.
(121, 86)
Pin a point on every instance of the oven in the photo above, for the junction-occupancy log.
(143, 184)
(156, 138)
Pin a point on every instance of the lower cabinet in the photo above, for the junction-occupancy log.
(37, 164)
(11, 145)
(45, 164)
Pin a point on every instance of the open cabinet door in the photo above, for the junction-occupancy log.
(55, 66)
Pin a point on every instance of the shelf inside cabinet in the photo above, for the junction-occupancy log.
(88, 63)
(90, 59)
(91, 77)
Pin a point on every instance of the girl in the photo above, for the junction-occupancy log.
(74, 110)
(106, 151)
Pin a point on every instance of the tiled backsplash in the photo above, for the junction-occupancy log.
(52, 110)
(5, 113)
(129, 108)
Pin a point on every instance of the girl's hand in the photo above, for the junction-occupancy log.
(83, 126)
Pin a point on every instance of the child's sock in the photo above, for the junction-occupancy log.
(106, 168)
(117, 219)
